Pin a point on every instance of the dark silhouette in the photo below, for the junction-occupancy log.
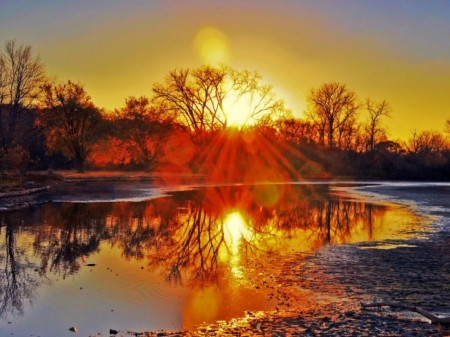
(333, 108)
(71, 122)
(198, 98)
(222, 123)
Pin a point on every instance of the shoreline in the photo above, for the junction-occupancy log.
(342, 276)
(417, 273)
(374, 276)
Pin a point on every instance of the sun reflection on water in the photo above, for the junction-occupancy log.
(235, 231)
(196, 256)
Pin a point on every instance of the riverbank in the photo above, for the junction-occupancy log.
(324, 292)
(39, 187)
(320, 294)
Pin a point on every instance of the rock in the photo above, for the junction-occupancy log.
(73, 329)
(113, 332)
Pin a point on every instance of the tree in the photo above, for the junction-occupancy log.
(143, 129)
(296, 131)
(332, 107)
(348, 134)
(447, 126)
(427, 142)
(203, 99)
(389, 146)
(259, 103)
(71, 122)
(22, 77)
(195, 97)
(374, 130)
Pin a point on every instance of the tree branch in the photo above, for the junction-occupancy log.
(433, 318)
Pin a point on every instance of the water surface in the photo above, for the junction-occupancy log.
(174, 260)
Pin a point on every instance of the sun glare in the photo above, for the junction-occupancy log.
(237, 109)
(235, 229)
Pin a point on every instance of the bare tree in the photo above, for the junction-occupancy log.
(296, 131)
(447, 126)
(71, 122)
(374, 129)
(195, 97)
(350, 136)
(333, 108)
(198, 97)
(427, 142)
(2, 79)
(22, 76)
(262, 104)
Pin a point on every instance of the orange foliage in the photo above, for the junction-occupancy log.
(109, 152)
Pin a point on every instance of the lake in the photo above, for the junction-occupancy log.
(130, 255)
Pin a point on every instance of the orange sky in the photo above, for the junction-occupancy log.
(398, 51)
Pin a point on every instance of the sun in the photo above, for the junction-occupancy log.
(238, 109)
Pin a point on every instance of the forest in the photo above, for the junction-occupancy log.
(215, 121)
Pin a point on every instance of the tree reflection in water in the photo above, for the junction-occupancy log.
(19, 275)
(199, 234)
(194, 237)
(72, 231)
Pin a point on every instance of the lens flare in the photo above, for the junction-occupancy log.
(211, 45)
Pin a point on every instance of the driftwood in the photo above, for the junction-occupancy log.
(24, 192)
(433, 318)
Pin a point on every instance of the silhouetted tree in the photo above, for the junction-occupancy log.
(296, 131)
(332, 107)
(71, 122)
(198, 98)
(447, 126)
(374, 130)
(427, 142)
(21, 78)
(263, 106)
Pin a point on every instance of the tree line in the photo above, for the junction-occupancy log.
(186, 125)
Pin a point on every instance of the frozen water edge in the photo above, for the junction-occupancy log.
(430, 200)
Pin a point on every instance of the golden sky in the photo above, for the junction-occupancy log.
(393, 50)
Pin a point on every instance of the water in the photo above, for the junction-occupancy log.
(134, 256)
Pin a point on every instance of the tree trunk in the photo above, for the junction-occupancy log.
(79, 165)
